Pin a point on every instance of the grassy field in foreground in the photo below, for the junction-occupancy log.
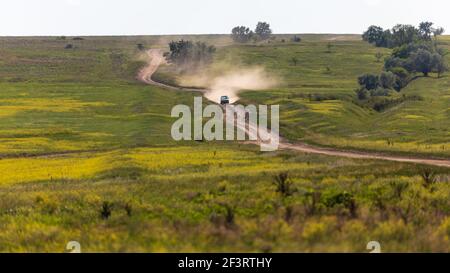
(317, 95)
(86, 155)
(219, 198)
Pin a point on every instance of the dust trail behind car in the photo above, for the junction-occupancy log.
(156, 58)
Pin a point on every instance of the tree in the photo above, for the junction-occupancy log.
(422, 61)
(425, 30)
(368, 81)
(377, 36)
(438, 31)
(263, 30)
(363, 94)
(189, 55)
(402, 77)
(373, 35)
(404, 34)
(387, 80)
(439, 65)
(241, 34)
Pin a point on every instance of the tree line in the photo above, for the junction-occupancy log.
(243, 34)
(190, 55)
(401, 34)
(414, 51)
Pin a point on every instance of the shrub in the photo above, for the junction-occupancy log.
(296, 39)
(363, 94)
(140, 47)
(378, 56)
(106, 210)
(429, 177)
(283, 184)
(380, 92)
(223, 216)
(398, 188)
(369, 81)
(387, 80)
(344, 199)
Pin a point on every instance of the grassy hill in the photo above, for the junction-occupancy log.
(86, 155)
(318, 102)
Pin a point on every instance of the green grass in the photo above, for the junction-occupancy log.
(55, 100)
(175, 199)
(77, 130)
(318, 102)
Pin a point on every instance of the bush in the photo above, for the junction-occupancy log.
(368, 81)
(380, 92)
(387, 80)
(283, 184)
(363, 94)
(344, 199)
(402, 77)
(296, 39)
(429, 177)
(106, 210)
(140, 47)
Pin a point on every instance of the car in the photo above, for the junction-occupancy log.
(224, 100)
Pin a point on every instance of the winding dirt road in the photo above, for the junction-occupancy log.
(156, 58)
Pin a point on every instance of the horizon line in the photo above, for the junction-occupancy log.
(180, 34)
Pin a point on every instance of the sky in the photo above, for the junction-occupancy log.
(155, 17)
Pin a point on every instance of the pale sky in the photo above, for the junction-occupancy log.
(146, 17)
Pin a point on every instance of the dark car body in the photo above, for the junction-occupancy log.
(224, 100)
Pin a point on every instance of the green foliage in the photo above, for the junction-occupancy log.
(242, 34)
(283, 185)
(375, 35)
(400, 34)
(378, 56)
(189, 55)
(387, 80)
(369, 81)
(263, 31)
(428, 176)
(83, 105)
(422, 61)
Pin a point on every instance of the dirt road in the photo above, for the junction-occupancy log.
(155, 59)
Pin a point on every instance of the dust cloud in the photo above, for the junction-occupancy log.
(231, 82)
